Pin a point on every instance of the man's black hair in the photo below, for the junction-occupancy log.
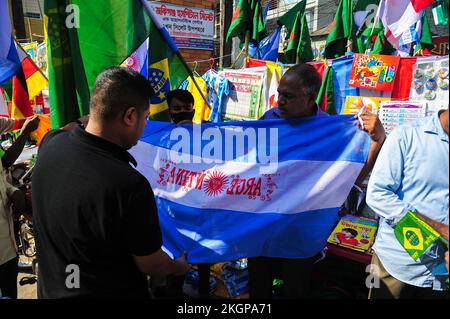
(181, 95)
(309, 77)
(116, 89)
(351, 231)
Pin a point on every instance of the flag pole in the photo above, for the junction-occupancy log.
(375, 22)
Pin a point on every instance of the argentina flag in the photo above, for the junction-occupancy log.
(243, 189)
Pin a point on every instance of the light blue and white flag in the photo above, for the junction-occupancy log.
(9, 59)
(138, 60)
(243, 189)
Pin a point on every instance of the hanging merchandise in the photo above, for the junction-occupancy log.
(431, 82)
(325, 97)
(202, 110)
(270, 88)
(353, 104)
(246, 91)
(393, 114)
(218, 90)
(341, 76)
(402, 82)
(440, 12)
(376, 72)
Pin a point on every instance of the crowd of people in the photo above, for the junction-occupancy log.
(92, 209)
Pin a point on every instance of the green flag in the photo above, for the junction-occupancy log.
(248, 16)
(108, 33)
(290, 17)
(426, 41)
(299, 44)
(325, 97)
(343, 30)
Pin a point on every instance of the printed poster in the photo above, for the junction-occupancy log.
(396, 113)
(353, 104)
(375, 72)
(430, 83)
(244, 100)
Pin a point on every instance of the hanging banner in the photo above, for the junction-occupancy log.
(191, 28)
(375, 72)
(245, 94)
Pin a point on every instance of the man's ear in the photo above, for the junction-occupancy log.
(130, 116)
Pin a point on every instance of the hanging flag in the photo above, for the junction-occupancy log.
(290, 17)
(266, 11)
(299, 46)
(341, 75)
(28, 82)
(248, 16)
(225, 206)
(9, 59)
(138, 61)
(325, 97)
(273, 91)
(343, 30)
(268, 48)
(369, 38)
(35, 79)
(20, 102)
(399, 15)
(425, 45)
(166, 69)
(109, 33)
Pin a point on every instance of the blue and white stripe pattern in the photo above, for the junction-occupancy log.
(9, 59)
(221, 207)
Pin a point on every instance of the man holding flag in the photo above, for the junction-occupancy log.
(297, 98)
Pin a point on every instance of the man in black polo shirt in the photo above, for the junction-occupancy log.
(96, 222)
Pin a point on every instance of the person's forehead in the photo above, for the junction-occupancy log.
(291, 81)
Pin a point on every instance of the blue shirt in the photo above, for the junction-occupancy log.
(411, 173)
(274, 113)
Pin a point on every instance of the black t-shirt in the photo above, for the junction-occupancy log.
(91, 209)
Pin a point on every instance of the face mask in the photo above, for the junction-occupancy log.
(182, 116)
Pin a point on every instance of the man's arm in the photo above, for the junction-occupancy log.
(12, 153)
(385, 181)
(159, 263)
(373, 127)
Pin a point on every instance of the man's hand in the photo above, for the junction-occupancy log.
(30, 125)
(182, 266)
(373, 126)
(17, 200)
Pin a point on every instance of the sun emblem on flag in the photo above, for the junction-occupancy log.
(132, 62)
(216, 183)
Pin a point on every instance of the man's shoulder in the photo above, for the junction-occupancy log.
(53, 135)
(273, 113)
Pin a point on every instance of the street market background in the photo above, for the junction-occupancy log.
(395, 65)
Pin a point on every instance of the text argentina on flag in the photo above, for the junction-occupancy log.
(243, 189)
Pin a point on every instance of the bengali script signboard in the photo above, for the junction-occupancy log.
(191, 28)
